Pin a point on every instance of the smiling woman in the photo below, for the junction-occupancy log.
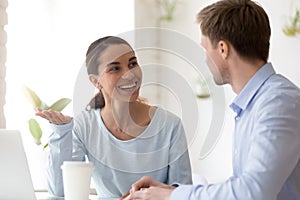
(122, 136)
(45, 50)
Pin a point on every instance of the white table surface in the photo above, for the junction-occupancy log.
(45, 196)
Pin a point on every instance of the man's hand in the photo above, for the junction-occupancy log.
(152, 193)
(148, 189)
(146, 182)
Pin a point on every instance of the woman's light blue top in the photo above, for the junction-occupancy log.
(159, 152)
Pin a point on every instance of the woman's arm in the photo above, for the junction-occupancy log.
(60, 150)
(179, 166)
(64, 145)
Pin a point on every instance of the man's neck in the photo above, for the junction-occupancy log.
(242, 72)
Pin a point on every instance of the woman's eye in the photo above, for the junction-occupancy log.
(133, 64)
(114, 69)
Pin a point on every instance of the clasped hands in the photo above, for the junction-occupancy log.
(148, 189)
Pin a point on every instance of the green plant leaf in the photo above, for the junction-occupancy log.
(35, 130)
(289, 31)
(45, 146)
(293, 28)
(60, 104)
(32, 97)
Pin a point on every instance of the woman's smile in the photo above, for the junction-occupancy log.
(128, 86)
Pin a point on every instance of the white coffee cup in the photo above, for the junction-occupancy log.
(77, 179)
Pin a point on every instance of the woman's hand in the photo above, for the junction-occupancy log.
(53, 116)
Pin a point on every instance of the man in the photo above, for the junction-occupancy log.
(235, 36)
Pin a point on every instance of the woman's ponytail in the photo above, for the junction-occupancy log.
(97, 102)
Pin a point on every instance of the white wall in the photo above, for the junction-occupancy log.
(284, 54)
(3, 39)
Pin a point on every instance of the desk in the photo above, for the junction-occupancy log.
(45, 196)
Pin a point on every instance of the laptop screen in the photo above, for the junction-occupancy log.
(15, 179)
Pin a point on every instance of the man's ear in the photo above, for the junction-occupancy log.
(94, 80)
(223, 47)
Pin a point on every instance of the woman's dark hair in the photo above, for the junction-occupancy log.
(92, 64)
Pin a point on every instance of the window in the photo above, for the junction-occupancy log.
(47, 41)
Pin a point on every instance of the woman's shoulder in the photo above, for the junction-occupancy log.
(86, 121)
(87, 115)
(163, 115)
(164, 124)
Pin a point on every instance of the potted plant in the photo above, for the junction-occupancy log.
(36, 102)
(168, 8)
(293, 28)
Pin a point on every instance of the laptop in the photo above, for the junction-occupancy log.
(15, 178)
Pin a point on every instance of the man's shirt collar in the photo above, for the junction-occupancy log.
(241, 101)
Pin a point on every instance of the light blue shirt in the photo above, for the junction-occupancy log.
(266, 148)
(159, 152)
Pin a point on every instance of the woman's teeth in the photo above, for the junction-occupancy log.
(128, 86)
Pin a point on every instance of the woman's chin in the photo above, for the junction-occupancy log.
(129, 97)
